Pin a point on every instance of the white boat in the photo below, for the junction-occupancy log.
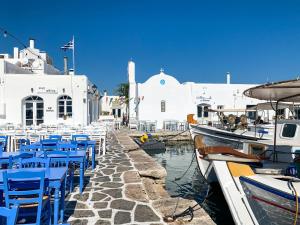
(233, 138)
(254, 180)
(235, 131)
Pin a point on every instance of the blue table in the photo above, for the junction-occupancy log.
(55, 178)
(90, 144)
(75, 156)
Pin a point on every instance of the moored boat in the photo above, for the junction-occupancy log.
(260, 182)
(148, 142)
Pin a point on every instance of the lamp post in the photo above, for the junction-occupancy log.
(94, 88)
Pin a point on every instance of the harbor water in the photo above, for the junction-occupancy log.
(184, 180)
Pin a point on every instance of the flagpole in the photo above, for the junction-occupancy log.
(73, 55)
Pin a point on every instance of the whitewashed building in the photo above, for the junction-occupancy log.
(34, 92)
(163, 98)
(113, 105)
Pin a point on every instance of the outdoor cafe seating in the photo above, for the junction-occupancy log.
(41, 170)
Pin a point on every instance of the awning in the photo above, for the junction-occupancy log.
(286, 91)
(271, 106)
(230, 110)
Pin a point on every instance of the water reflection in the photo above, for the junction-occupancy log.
(184, 180)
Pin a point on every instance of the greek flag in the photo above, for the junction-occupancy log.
(69, 45)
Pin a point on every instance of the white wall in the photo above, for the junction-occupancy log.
(159, 88)
(106, 104)
(228, 95)
(18, 87)
(26, 74)
(182, 99)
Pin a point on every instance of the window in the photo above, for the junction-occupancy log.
(34, 110)
(163, 106)
(202, 110)
(289, 130)
(199, 111)
(297, 113)
(65, 106)
(251, 114)
(205, 114)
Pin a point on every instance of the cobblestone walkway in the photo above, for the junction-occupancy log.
(113, 193)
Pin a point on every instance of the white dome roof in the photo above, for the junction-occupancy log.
(162, 79)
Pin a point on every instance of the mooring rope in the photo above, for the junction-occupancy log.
(290, 182)
(191, 163)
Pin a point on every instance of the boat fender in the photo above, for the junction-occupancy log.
(144, 138)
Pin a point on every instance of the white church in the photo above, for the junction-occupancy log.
(33, 92)
(163, 98)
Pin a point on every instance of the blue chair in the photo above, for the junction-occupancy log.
(30, 148)
(3, 142)
(49, 144)
(14, 160)
(35, 163)
(76, 137)
(62, 159)
(81, 140)
(55, 137)
(26, 190)
(67, 147)
(8, 216)
(23, 141)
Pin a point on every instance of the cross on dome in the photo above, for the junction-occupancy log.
(162, 70)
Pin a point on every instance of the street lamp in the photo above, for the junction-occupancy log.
(94, 88)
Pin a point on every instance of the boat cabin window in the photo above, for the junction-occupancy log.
(163, 106)
(289, 130)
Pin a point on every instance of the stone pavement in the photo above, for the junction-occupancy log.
(125, 188)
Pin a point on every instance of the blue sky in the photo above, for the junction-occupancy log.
(257, 41)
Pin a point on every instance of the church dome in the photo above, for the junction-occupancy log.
(162, 79)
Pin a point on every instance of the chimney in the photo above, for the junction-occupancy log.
(131, 71)
(31, 43)
(228, 78)
(16, 53)
(66, 65)
(71, 71)
(105, 93)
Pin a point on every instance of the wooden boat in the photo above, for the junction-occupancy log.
(151, 144)
(256, 181)
(236, 130)
(257, 198)
(235, 138)
(272, 200)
